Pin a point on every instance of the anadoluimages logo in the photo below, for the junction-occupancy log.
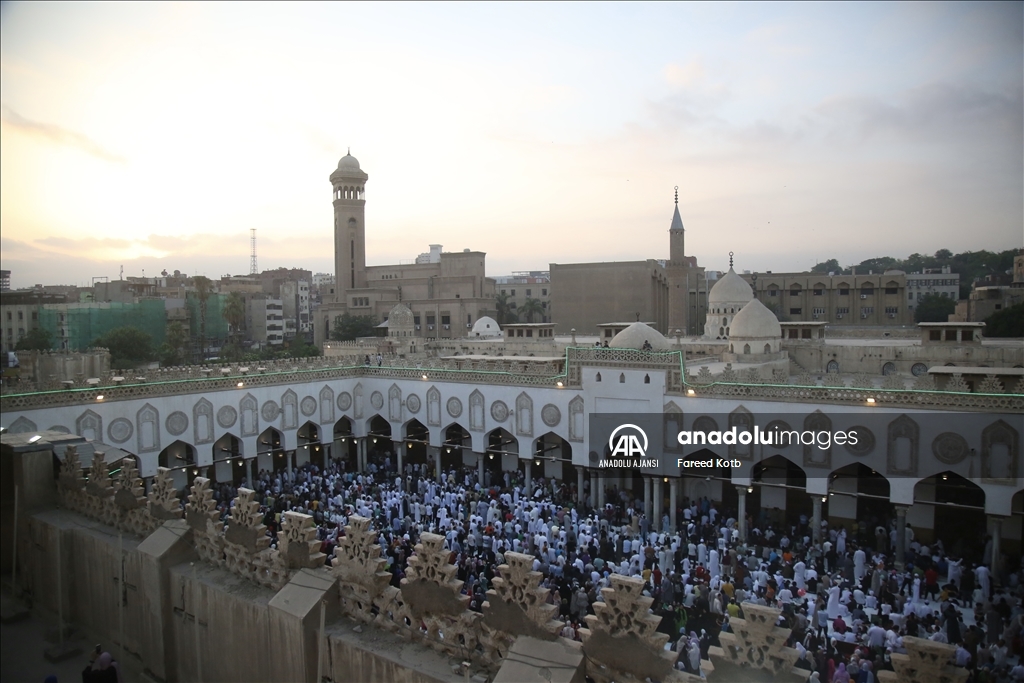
(628, 442)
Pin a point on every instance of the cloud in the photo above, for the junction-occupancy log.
(682, 75)
(58, 135)
(940, 112)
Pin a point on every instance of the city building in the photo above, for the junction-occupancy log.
(5, 280)
(521, 286)
(941, 281)
(446, 291)
(672, 294)
(847, 300)
(264, 318)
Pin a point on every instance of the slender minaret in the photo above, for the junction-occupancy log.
(676, 234)
(348, 184)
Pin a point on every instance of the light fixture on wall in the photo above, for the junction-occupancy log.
(559, 384)
(870, 400)
(691, 392)
(100, 397)
(240, 385)
(750, 489)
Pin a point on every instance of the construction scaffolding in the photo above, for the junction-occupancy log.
(75, 327)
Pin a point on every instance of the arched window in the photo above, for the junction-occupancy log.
(597, 378)
(622, 378)
(647, 379)
(746, 349)
(767, 348)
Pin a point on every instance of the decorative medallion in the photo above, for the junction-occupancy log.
(177, 423)
(551, 415)
(950, 448)
(865, 441)
(919, 369)
(499, 411)
(454, 407)
(308, 406)
(377, 400)
(60, 428)
(227, 416)
(270, 410)
(412, 403)
(120, 430)
(344, 400)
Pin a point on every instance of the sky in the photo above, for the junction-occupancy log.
(155, 136)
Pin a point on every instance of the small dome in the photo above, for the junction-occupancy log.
(730, 288)
(400, 316)
(486, 327)
(634, 336)
(349, 163)
(755, 321)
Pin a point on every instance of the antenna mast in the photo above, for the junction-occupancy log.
(253, 270)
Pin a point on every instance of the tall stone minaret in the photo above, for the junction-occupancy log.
(348, 184)
(676, 234)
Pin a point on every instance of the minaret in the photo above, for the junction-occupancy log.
(348, 183)
(676, 234)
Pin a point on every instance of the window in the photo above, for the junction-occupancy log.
(966, 335)
(446, 320)
(844, 291)
(950, 335)
(910, 295)
(794, 334)
(21, 315)
(794, 292)
(529, 292)
(867, 290)
(934, 335)
(795, 311)
(543, 292)
(819, 311)
(430, 319)
(819, 292)
(503, 291)
(805, 333)
(529, 333)
(867, 310)
(415, 320)
(598, 377)
(773, 292)
(513, 292)
(892, 290)
(892, 310)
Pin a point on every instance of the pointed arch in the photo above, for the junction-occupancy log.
(1000, 453)
(395, 403)
(814, 454)
(576, 426)
(289, 410)
(89, 426)
(250, 420)
(358, 400)
(22, 425)
(326, 405)
(902, 446)
(476, 411)
(433, 407)
(203, 422)
(147, 422)
(524, 414)
(742, 419)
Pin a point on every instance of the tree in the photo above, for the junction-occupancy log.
(530, 308)
(127, 345)
(348, 327)
(506, 312)
(204, 288)
(300, 348)
(172, 351)
(934, 308)
(826, 267)
(234, 314)
(1008, 322)
(36, 340)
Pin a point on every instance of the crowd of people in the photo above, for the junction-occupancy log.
(846, 603)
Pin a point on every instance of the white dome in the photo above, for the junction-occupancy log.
(486, 327)
(730, 289)
(349, 163)
(755, 321)
(634, 336)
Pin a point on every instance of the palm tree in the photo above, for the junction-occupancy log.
(506, 312)
(530, 308)
(234, 314)
(204, 288)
